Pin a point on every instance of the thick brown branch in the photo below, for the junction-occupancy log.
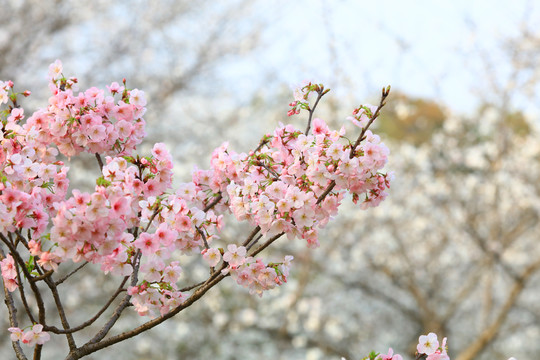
(93, 346)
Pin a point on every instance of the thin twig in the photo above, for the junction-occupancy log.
(214, 202)
(251, 236)
(89, 322)
(271, 171)
(156, 211)
(100, 162)
(71, 273)
(23, 295)
(266, 244)
(123, 304)
(320, 94)
(254, 242)
(191, 287)
(385, 93)
(93, 345)
(263, 142)
(203, 237)
(42, 277)
(61, 313)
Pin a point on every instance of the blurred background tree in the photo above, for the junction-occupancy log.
(453, 250)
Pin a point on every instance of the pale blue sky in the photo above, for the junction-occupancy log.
(425, 48)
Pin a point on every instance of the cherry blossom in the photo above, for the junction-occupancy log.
(134, 223)
(428, 344)
(390, 356)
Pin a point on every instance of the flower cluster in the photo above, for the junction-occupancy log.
(9, 273)
(301, 96)
(280, 187)
(32, 337)
(428, 348)
(91, 121)
(253, 273)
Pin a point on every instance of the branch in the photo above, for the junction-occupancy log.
(70, 274)
(489, 334)
(266, 244)
(251, 236)
(320, 94)
(23, 296)
(263, 142)
(214, 202)
(100, 162)
(123, 304)
(63, 318)
(330, 187)
(33, 286)
(12, 317)
(89, 322)
(384, 95)
(93, 346)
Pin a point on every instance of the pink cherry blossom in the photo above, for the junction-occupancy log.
(147, 243)
(234, 255)
(428, 344)
(212, 256)
(55, 69)
(35, 336)
(389, 356)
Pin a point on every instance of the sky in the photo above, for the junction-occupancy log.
(435, 49)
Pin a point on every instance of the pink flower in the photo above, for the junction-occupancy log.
(235, 255)
(165, 235)
(389, 356)
(35, 336)
(136, 97)
(147, 243)
(48, 261)
(55, 70)
(8, 267)
(440, 354)
(161, 153)
(152, 270)
(427, 344)
(319, 127)
(115, 88)
(16, 333)
(4, 97)
(172, 272)
(120, 206)
(11, 284)
(212, 256)
(16, 115)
